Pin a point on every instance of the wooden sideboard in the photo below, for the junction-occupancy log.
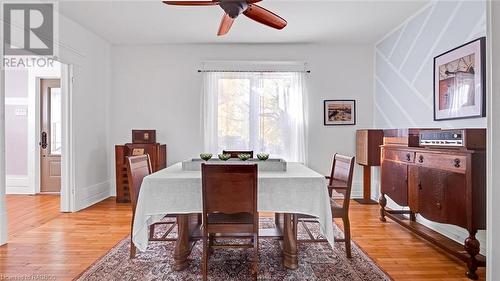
(157, 153)
(442, 185)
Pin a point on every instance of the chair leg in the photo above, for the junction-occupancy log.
(204, 259)
(132, 248)
(211, 238)
(255, 263)
(151, 232)
(347, 236)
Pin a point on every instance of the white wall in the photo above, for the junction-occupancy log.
(404, 63)
(403, 91)
(158, 87)
(3, 208)
(90, 56)
(493, 257)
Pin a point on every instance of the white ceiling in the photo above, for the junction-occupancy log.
(152, 22)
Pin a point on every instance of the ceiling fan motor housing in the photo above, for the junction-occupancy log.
(233, 8)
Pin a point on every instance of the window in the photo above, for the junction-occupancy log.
(263, 112)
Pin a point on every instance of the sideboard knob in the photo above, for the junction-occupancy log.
(457, 163)
(421, 159)
(408, 156)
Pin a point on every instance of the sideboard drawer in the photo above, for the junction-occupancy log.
(452, 163)
(399, 155)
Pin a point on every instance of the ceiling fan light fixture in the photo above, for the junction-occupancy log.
(234, 8)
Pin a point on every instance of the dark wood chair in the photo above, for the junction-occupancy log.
(137, 168)
(234, 153)
(229, 209)
(340, 181)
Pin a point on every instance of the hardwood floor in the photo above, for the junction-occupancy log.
(47, 243)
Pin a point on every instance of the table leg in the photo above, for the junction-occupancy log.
(290, 259)
(186, 224)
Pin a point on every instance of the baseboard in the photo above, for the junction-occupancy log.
(17, 184)
(90, 195)
(357, 190)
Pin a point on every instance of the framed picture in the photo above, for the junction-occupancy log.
(460, 82)
(339, 112)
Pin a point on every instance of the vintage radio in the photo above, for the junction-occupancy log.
(406, 137)
(474, 139)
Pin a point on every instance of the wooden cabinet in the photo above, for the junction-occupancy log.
(368, 144)
(368, 147)
(157, 153)
(395, 181)
(442, 185)
(442, 196)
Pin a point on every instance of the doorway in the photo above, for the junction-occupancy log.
(50, 135)
(38, 133)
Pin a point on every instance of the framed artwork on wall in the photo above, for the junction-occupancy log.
(339, 112)
(460, 82)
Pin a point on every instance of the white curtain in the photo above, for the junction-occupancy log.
(259, 111)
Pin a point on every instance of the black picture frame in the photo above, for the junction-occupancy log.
(482, 80)
(351, 122)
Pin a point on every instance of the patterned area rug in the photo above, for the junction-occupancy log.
(317, 261)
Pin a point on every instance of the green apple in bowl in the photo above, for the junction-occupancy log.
(206, 156)
(263, 156)
(244, 156)
(224, 156)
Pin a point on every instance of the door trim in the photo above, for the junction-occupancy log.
(67, 159)
(67, 200)
(3, 209)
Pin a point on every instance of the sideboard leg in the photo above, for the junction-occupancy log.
(383, 202)
(413, 217)
(472, 248)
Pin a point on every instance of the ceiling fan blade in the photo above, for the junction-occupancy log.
(225, 25)
(259, 14)
(192, 3)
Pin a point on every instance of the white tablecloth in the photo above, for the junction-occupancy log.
(174, 191)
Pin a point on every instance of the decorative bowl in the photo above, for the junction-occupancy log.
(206, 156)
(263, 156)
(224, 156)
(244, 156)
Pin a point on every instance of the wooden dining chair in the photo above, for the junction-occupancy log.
(139, 167)
(234, 153)
(340, 181)
(229, 209)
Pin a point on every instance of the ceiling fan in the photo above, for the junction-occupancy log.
(233, 8)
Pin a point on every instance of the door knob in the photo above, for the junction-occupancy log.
(43, 139)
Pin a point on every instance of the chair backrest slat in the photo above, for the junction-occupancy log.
(343, 170)
(138, 167)
(229, 189)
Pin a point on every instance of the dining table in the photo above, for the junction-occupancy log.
(174, 190)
